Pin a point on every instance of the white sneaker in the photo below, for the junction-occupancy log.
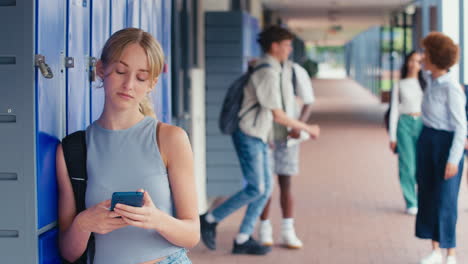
(412, 211)
(265, 234)
(289, 239)
(451, 260)
(434, 258)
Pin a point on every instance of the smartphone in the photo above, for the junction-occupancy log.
(129, 198)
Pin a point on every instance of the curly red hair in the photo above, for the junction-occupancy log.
(441, 49)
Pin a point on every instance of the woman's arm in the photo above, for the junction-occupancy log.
(394, 113)
(456, 105)
(75, 230)
(176, 150)
(72, 240)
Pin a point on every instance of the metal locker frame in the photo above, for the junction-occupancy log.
(18, 224)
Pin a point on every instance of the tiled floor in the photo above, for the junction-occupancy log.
(349, 207)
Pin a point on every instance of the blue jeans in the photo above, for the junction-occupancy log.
(255, 164)
(180, 257)
(437, 197)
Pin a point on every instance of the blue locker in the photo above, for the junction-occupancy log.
(149, 19)
(166, 76)
(78, 90)
(148, 22)
(48, 248)
(152, 21)
(133, 13)
(118, 14)
(50, 105)
(100, 32)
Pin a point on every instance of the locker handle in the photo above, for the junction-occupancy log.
(92, 71)
(7, 118)
(8, 176)
(9, 233)
(43, 67)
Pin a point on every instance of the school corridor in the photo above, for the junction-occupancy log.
(349, 207)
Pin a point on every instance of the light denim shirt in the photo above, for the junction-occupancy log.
(443, 108)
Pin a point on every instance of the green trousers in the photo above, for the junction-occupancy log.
(409, 129)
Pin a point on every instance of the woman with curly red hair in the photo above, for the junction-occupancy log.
(440, 149)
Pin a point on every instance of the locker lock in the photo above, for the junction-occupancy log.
(92, 66)
(43, 67)
(69, 62)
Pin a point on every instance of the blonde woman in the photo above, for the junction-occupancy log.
(128, 150)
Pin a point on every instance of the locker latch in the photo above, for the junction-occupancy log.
(92, 71)
(39, 61)
(69, 62)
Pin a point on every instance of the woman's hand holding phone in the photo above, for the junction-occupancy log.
(143, 217)
(99, 219)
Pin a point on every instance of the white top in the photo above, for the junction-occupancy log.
(407, 98)
(303, 84)
(293, 106)
(263, 88)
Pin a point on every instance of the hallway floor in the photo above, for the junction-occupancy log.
(349, 206)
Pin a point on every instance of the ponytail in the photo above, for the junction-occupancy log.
(146, 107)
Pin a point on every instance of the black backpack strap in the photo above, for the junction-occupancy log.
(74, 152)
(257, 104)
(294, 80)
(258, 67)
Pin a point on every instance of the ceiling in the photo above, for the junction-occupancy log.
(333, 22)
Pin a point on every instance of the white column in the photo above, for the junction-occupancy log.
(198, 135)
(450, 24)
(464, 35)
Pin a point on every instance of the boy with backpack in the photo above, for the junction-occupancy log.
(262, 104)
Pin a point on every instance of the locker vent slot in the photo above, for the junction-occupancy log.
(9, 233)
(7, 118)
(7, 176)
(7, 3)
(7, 60)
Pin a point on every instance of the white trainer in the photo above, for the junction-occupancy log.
(434, 258)
(412, 211)
(451, 260)
(289, 239)
(265, 234)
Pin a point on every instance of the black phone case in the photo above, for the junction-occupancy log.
(129, 198)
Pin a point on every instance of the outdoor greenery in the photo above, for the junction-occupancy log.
(397, 39)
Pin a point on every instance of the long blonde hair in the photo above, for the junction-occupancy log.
(120, 40)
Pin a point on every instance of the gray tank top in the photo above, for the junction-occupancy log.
(122, 161)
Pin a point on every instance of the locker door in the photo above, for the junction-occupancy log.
(165, 29)
(153, 18)
(50, 120)
(50, 105)
(48, 248)
(118, 15)
(149, 17)
(78, 90)
(133, 13)
(148, 22)
(100, 32)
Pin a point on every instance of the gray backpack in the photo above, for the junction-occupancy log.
(229, 118)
